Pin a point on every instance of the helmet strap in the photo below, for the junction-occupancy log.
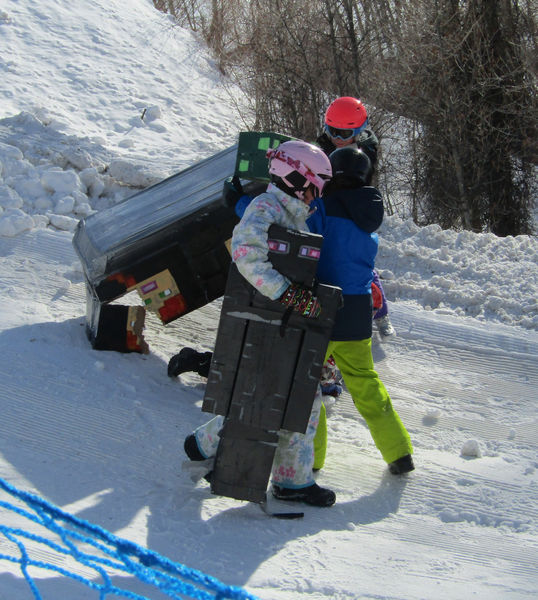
(283, 186)
(296, 192)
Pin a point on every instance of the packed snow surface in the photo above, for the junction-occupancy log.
(100, 100)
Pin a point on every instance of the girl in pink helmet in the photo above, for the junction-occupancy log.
(298, 173)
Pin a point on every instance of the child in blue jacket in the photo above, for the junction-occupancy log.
(347, 216)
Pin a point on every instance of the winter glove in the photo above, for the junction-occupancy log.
(232, 190)
(302, 300)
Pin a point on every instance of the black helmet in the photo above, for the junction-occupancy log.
(351, 166)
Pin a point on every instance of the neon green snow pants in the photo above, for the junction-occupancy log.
(355, 362)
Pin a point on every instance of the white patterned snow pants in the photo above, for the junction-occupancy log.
(294, 456)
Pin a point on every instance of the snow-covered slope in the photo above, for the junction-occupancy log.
(118, 73)
(100, 434)
(99, 99)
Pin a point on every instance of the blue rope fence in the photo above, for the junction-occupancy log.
(101, 553)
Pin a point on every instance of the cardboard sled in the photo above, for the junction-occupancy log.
(167, 242)
(266, 366)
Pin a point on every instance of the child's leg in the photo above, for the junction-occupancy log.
(354, 359)
(207, 436)
(294, 456)
(320, 440)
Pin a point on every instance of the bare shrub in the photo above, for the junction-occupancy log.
(462, 73)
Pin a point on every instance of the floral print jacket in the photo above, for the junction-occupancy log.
(249, 240)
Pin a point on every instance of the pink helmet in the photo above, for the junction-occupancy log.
(297, 164)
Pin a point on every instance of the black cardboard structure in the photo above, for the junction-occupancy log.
(265, 371)
(167, 242)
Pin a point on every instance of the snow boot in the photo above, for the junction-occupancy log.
(191, 448)
(384, 326)
(193, 452)
(189, 359)
(313, 494)
(402, 465)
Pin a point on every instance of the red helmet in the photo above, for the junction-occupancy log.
(346, 113)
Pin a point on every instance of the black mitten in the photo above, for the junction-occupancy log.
(232, 190)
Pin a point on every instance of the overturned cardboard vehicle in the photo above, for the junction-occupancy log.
(167, 242)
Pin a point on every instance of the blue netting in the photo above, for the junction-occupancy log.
(101, 553)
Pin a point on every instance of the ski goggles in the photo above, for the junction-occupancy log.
(344, 134)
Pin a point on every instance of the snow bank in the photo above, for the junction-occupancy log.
(50, 179)
(461, 273)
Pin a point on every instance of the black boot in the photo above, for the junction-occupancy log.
(402, 465)
(191, 448)
(189, 359)
(313, 494)
(193, 452)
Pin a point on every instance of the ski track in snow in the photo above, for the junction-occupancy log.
(455, 519)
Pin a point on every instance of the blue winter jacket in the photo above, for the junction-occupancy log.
(347, 220)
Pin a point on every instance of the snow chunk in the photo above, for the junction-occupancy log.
(92, 180)
(41, 221)
(79, 158)
(27, 185)
(8, 152)
(14, 221)
(151, 113)
(43, 203)
(83, 209)
(471, 448)
(65, 205)
(432, 416)
(385, 274)
(63, 222)
(9, 198)
(132, 174)
(16, 167)
(63, 182)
